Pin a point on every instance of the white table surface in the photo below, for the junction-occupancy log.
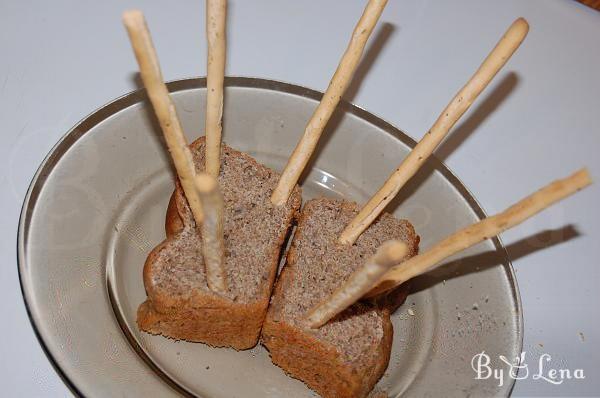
(62, 59)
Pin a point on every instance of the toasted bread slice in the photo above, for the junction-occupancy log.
(179, 304)
(348, 355)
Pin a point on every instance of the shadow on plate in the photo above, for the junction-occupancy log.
(482, 261)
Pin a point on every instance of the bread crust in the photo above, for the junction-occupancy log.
(204, 316)
(173, 222)
(316, 362)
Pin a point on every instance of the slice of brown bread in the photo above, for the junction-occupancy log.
(179, 304)
(348, 355)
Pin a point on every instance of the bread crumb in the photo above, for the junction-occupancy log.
(252, 230)
(321, 263)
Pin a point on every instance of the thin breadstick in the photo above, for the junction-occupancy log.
(163, 106)
(338, 85)
(449, 116)
(216, 11)
(482, 230)
(359, 283)
(213, 247)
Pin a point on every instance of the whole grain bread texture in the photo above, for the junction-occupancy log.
(179, 304)
(348, 355)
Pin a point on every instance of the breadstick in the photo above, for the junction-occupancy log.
(216, 11)
(213, 247)
(338, 85)
(359, 283)
(163, 106)
(483, 230)
(449, 116)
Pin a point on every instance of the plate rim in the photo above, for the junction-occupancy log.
(137, 96)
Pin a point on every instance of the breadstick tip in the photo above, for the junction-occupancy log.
(205, 182)
(584, 175)
(393, 249)
(520, 28)
(522, 22)
(132, 16)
